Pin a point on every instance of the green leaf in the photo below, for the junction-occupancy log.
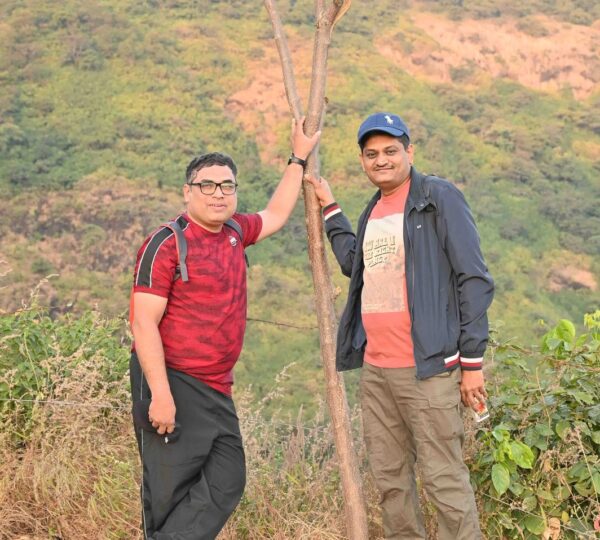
(522, 454)
(594, 413)
(596, 437)
(500, 434)
(584, 488)
(565, 330)
(535, 525)
(516, 488)
(512, 399)
(582, 397)
(585, 429)
(546, 495)
(529, 503)
(561, 493)
(579, 471)
(544, 430)
(506, 521)
(552, 343)
(562, 426)
(500, 478)
(541, 443)
(596, 482)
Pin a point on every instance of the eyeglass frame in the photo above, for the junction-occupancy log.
(217, 185)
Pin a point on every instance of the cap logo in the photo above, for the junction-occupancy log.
(233, 241)
(388, 119)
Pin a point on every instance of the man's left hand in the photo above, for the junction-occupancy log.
(301, 144)
(472, 388)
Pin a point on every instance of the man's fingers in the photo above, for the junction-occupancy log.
(165, 428)
(464, 397)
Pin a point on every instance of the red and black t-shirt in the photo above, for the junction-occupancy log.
(203, 327)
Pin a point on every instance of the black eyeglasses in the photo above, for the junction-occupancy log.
(208, 187)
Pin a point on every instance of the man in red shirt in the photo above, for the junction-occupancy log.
(188, 335)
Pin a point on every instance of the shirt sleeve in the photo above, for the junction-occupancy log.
(251, 225)
(156, 264)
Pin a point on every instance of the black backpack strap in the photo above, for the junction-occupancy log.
(233, 224)
(181, 244)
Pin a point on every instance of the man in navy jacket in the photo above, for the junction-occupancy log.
(416, 321)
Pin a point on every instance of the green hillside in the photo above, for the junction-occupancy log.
(103, 104)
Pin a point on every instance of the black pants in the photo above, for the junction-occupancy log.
(190, 487)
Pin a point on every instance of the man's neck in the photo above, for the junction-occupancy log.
(396, 188)
(214, 228)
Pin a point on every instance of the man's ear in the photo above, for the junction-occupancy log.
(411, 153)
(187, 190)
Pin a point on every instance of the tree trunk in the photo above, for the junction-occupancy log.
(326, 17)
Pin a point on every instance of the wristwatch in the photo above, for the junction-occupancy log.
(296, 159)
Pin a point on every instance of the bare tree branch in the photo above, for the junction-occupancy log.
(289, 80)
(355, 508)
(344, 5)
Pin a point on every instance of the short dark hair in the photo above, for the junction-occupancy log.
(208, 160)
(404, 140)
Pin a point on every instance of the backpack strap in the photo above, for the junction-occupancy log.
(181, 246)
(178, 225)
(233, 224)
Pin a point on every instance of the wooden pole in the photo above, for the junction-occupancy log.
(326, 18)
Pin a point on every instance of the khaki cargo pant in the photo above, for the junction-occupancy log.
(408, 421)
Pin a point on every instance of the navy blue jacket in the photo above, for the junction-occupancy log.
(449, 287)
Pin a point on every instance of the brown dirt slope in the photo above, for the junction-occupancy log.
(537, 52)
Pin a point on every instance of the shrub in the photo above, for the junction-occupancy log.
(45, 359)
(540, 459)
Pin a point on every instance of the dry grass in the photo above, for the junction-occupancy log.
(75, 473)
(69, 471)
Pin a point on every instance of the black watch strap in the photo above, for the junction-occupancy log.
(296, 159)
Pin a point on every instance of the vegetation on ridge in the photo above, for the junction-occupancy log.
(69, 464)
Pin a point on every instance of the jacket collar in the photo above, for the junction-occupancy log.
(418, 196)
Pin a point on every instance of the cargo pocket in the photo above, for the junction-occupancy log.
(443, 417)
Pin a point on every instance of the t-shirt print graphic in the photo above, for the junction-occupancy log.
(383, 248)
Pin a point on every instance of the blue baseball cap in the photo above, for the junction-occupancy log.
(388, 123)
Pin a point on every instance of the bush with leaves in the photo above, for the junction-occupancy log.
(540, 458)
(74, 358)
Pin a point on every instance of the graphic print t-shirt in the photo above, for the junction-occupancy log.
(385, 312)
(203, 327)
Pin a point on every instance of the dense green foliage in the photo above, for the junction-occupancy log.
(42, 359)
(541, 459)
(134, 90)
